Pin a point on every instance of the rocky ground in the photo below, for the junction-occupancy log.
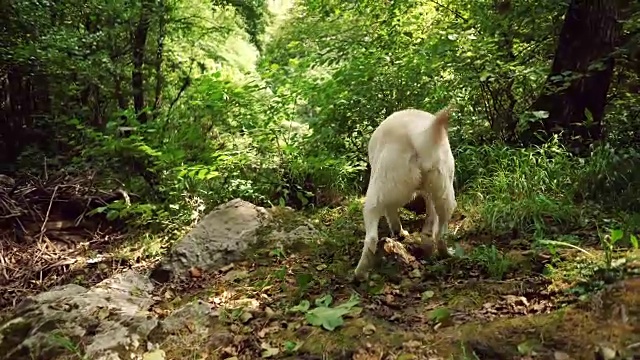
(250, 283)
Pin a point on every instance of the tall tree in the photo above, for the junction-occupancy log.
(575, 91)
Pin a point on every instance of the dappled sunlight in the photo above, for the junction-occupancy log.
(217, 153)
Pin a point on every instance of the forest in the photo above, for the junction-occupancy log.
(124, 123)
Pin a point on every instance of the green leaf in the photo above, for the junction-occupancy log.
(353, 301)
(527, 347)
(459, 250)
(634, 241)
(112, 215)
(303, 280)
(269, 351)
(588, 115)
(439, 315)
(616, 235)
(303, 306)
(324, 300)
(427, 295)
(292, 346)
(328, 318)
(540, 114)
(302, 198)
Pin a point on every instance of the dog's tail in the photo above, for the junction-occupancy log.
(442, 116)
(441, 122)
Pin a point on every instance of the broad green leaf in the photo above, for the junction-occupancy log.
(616, 235)
(439, 314)
(328, 318)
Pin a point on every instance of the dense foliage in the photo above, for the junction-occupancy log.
(189, 103)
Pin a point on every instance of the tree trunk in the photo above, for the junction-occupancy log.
(139, 44)
(575, 91)
(159, 57)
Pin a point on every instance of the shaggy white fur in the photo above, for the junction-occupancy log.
(410, 156)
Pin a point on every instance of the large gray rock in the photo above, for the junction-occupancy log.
(110, 320)
(218, 239)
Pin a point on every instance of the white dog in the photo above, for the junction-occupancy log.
(410, 156)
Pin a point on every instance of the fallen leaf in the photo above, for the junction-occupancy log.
(157, 354)
(321, 267)
(269, 312)
(262, 333)
(328, 318)
(226, 268)
(412, 344)
(406, 357)
(245, 317)
(427, 295)
(169, 295)
(235, 275)
(268, 350)
(189, 325)
(195, 272)
(527, 347)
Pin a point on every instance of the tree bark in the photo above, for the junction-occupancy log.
(139, 44)
(575, 91)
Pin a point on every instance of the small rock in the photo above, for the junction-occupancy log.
(416, 273)
(321, 267)
(369, 329)
(219, 238)
(607, 353)
(559, 355)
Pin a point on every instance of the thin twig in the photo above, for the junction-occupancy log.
(46, 218)
(46, 173)
(3, 262)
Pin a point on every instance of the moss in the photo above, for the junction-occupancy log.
(13, 333)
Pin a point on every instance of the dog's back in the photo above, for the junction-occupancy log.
(407, 145)
(409, 153)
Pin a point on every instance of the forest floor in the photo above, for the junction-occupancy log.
(296, 300)
(498, 298)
